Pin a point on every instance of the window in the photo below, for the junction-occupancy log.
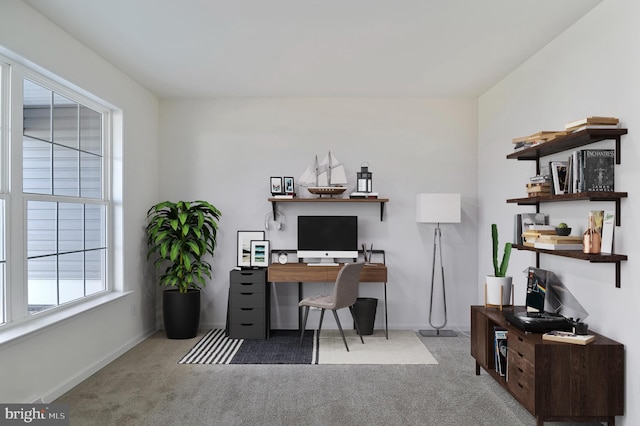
(55, 204)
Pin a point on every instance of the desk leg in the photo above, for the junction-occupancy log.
(300, 308)
(386, 315)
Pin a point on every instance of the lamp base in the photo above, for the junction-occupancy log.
(438, 333)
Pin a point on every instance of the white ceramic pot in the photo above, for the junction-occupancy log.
(493, 287)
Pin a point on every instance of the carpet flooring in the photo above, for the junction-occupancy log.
(283, 347)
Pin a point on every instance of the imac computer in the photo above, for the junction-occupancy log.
(323, 239)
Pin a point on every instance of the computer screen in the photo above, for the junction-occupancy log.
(327, 237)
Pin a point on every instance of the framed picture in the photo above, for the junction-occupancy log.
(276, 185)
(244, 246)
(260, 253)
(559, 176)
(289, 187)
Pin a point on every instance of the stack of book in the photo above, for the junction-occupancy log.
(592, 123)
(531, 236)
(536, 189)
(537, 138)
(558, 242)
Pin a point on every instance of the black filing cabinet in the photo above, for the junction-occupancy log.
(249, 316)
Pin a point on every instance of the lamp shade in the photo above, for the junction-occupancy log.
(438, 208)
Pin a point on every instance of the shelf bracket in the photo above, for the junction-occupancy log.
(381, 211)
(273, 208)
(617, 274)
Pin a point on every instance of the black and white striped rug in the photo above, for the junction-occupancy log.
(282, 347)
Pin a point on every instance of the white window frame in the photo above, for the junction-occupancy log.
(18, 322)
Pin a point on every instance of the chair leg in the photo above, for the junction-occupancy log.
(321, 318)
(335, 315)
(356, 323)
(304, 323)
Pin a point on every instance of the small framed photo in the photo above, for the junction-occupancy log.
(276, 185)
(260, 253)
(244, 246)
(289, 187)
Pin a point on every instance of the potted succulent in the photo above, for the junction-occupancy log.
(563, 229)
(179, 236)
(498, 285)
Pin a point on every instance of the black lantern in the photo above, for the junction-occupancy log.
(365, 179)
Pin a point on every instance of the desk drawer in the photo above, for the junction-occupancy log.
(247, 330)
(248, 276)
(248, 315)
(247, 300)
(248, 287)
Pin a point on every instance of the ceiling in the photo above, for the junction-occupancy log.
(318, 48)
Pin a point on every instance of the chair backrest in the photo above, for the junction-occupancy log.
(345, 292)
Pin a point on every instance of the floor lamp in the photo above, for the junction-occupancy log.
(437, 208)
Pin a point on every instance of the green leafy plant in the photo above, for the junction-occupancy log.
(180, 235)
(563, 225)
(499, 270)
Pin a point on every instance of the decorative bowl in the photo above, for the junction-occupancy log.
(563, 231)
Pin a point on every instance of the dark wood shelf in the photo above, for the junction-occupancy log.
(566, 143)
(382, 202)
(589, 196)
(577, 254)
(571, 141)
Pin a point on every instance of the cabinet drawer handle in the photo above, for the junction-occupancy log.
(249, 324)
(246, 294)
(246, 283)
(246, 309)
(520, 355)
(521, 387)
(520, 370)
(520, 339)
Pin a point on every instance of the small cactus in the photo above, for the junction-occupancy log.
(499, 270)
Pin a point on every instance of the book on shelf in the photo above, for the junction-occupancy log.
(599, 169)
(537, 227)
(559, 239)
(540, 178)
(608, 225)
(500, 350)
(568, 337)
(557, 246)
(594, 126)
(591, 120)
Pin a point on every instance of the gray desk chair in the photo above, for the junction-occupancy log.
(344, 295)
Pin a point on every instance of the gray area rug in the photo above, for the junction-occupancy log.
(283, 347)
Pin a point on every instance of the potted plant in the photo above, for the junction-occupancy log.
(498, 285)
(180, 235)
(563, 229)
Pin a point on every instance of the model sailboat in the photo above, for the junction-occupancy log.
(325, 178)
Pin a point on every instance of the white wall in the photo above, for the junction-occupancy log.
(225, 150)
(48, 363)
(591, 69)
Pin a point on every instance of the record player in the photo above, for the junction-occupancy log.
(550, 305)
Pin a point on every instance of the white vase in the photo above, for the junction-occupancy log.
(495, 287)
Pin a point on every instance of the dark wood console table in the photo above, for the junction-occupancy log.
(553, 381)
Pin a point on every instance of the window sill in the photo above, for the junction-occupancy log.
(11, 334)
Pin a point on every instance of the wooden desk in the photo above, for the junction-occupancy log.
(301, 273)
